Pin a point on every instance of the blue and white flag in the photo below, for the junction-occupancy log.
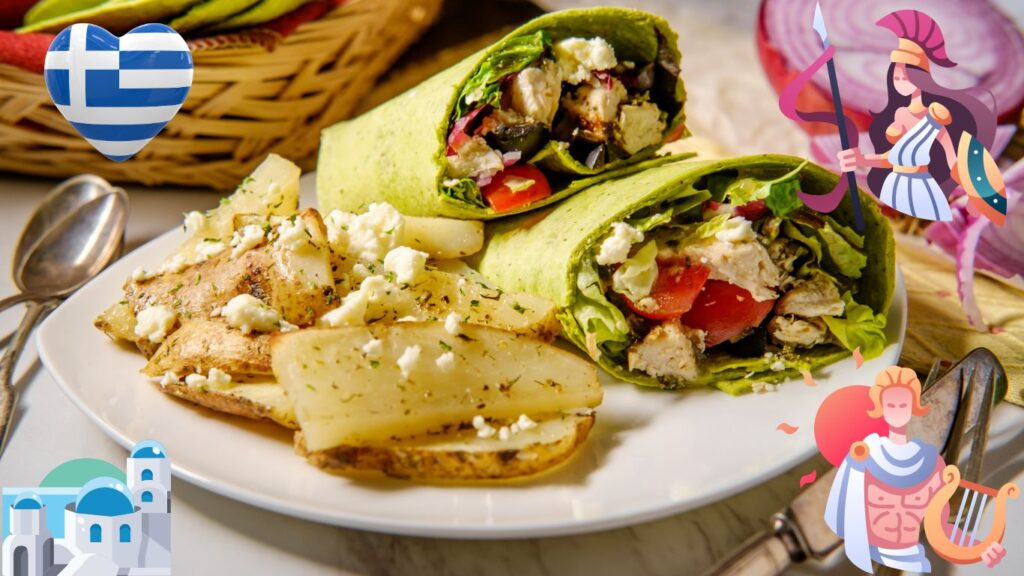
(118, 92)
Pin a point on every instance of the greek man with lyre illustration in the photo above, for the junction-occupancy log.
(889, 487)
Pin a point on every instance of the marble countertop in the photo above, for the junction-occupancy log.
(214, 535)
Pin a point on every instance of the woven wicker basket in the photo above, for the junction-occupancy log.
(245, 102)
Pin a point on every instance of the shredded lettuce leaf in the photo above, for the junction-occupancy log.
(849, 261)
(829, 247)
(779, 195)
(484, 87)
(596, 315)
(637, 274)
(860, 328)
(466, 191)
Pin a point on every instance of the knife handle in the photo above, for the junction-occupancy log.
(767, 553)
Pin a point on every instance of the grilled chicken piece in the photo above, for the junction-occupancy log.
(811, 299)
(670, 350)
(801, 332)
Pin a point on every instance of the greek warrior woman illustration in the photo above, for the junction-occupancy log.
(928, 139)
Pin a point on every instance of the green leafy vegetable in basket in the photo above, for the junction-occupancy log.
(209, 13)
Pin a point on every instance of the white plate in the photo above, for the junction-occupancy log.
(651, 454)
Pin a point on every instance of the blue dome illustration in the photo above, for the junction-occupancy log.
(28, 501)
(104, 496)
(149, 449)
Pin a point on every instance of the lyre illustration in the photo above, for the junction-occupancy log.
(962, 545)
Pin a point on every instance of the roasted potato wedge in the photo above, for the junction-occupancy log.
(202, 344)
(443, 237)
(461, 455)
(345, 396)
(271, 190)
(440, 293)
(256, 400)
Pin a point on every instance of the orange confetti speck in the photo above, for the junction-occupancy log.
(787, 428)
(858, 357)
(943, 293)
(808, 478)
(808, 379)
(998, 329)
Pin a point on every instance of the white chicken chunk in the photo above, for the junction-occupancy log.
(640, 126)
(670, 350)
(536, 92)
(803, 332)
(475, 159)
(745, 264)
(811, 299)
(596, 106)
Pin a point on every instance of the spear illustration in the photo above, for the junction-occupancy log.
(837, 104)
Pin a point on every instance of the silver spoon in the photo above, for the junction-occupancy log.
(70, 254)
(59, 203)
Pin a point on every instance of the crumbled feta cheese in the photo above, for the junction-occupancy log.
(525, 423)
(169, 378)
(778, 366)
(504, 433)
(452, 325)
(763, 387)
(194, 221)
(536, 92)
(406, 264)
(218, 378)
(639, 126)
(368, 236)
(736, 229)
(206, 250)
(246, 239)
(446, 361)
(292, 234)
(217, 310)
(475, 159)
(155, 322)
(286, 326)
(483, 429)
(175, 264)
(578, 57)
(139, 274)
(374, 348)
(408, 360)
(250, 314)
(374, 290)
(615, 248)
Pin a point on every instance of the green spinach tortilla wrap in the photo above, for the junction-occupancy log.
(705, 272)
(570, 96)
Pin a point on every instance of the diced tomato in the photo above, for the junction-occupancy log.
(676, 134)
(503, 198)
(752, 210)
(462, 130)
(724, 311)
(674, 291)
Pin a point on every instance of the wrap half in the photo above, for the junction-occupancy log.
(705, 272)
(570, 96)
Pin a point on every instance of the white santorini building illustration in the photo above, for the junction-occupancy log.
(111, 529)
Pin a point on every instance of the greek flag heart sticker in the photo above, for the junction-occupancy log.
(118, 92)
